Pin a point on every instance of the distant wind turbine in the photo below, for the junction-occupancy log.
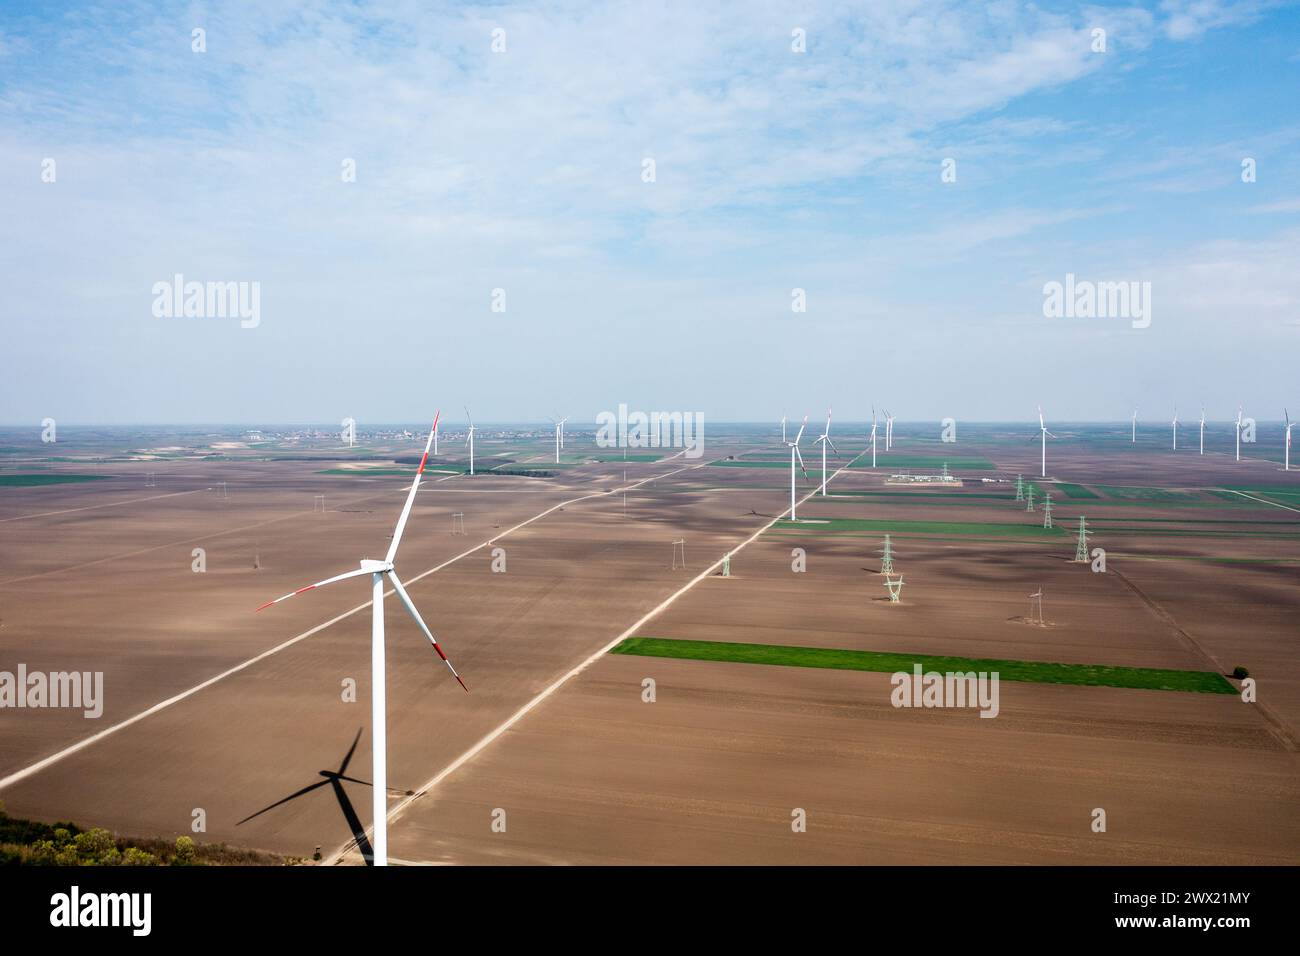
(825, 440)
(794, 454)
(559, 437)
(1135, 427)
(873, 436)
(1288, 439)
(783, 441)
(1175, 428)
(469, 440)
(1046, 435)
(1238, 433)
(1202, 429)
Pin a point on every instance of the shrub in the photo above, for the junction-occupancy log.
(137, 857)
(1240, 672)
(96, 845)
(184, 855)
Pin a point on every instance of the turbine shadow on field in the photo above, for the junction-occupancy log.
(334, 778)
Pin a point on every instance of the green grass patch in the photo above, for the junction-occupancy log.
(1126, 493)
(30, 481)
(1076, 491)
(924, 462)
(1035, 672)
(750, 463)
(881, 525)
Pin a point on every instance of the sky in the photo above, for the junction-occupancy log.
(504, 147)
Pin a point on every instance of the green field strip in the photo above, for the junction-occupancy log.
(1199, 521)
(33, 481)
(1032, 672)
(751, 463)
(840, 499)
(1210, 558)
(1137, 493)
(919, 527)
(1075, 491)
(925, 461)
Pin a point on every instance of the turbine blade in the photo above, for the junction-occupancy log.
(800, 457)
(351, 750)
(319, 584)
(293, 796)
(410, 607)
(410, 498)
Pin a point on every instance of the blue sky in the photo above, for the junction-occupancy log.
(521, 170)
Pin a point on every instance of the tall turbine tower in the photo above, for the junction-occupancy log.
(1287, 467)
(1202, 429)
(825, 440)
(469, 440)
(559, 437)
(873, 436)
(1175, 428)
(1238, 433)
(783, 441)
(794, 454)
(378, 571)
(1046, 434)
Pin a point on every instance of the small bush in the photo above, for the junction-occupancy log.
(97, 846)
(137, 857)
(1240, 672)
(184, 855)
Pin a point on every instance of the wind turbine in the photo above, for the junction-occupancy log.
(1238, 433)
(825, 440)
(1046, 435)
(783, 441)
(1288, 440)
(1135, 427)
(470, 441)
(559, 437)
(378, 705)
(1202, 429)
(1175, 428)
(889, 431)
(794, 454)
(873, 436)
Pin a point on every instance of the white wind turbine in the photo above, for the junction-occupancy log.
(378, 570)
(1046, 435)
(873, 436)
(1238, 433)
(559, 437)
(783, 441)
(1202, 429)
(1287, 467)
(825, 440)
(469, 440)
(889, 431)
(1135, 427)
(1175, 428)
(794, 454)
